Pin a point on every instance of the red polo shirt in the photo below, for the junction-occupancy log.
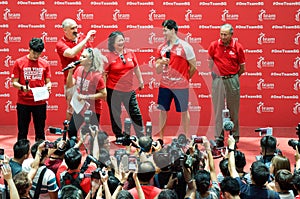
(227, 59)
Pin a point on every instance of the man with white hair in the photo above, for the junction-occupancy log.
(69, 49)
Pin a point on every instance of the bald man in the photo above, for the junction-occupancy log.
(69, 49)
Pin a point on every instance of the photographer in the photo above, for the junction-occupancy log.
(268, 146)
(90, 89)
(71, 173)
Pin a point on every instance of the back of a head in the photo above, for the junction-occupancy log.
(145, 142)
(22, 182)
(162, 159)
(167, 194)
(73, 158)
(223, 165)
(36, 44)
(240, 159)
(280, 162)
(146, 171)
(124, 194)
(260, 173)
(21, 148)
(34, 149)
(269, 143)
(284, 179)
(202, 179)
(230, 185)
(71, 192)
(296, 179)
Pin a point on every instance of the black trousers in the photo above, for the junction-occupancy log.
(114, 101)
(38, 113)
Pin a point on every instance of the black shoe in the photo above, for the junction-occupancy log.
(219, 143)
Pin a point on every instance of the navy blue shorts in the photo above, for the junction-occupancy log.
(180, 96)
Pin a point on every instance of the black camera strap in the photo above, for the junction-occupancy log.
(39, 184)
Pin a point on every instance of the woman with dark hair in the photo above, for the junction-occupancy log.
(90, 90)
(122, 63)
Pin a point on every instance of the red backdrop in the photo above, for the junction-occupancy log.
(268, 30)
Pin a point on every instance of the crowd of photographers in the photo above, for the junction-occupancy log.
(86, 167)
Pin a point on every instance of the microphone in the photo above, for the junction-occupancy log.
(69, 66)
(228, 126)
(27, 83)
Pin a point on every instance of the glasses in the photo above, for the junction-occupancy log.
(123, 59)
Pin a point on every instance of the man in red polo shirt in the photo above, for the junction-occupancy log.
(227, 64)
(69, 49)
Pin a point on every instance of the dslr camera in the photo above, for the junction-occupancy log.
(85, 129)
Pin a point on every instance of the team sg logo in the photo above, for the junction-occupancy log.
(117, 15)
(47, 38)
(262, 39)
(264, 16)
(189, 16)
(296, 108)
(262, 108)
(83, 16)
(8, 106)
(8, 15)
(153, 83)
(155, 16)
(151, 62)
(297, 62)
(262, 85)
(297, 85)
(8, 83)
(50, 62)
(297, 36)
(152, 107)
(8, 38)
(226, 16)
(262, 63)
(196, 40)
(194, 108)
(154, 39)
(8, 61)
(44, 15)
(297, 15)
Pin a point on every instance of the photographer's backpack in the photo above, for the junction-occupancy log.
(66, 176)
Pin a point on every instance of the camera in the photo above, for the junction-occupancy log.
(96, 174)
(119, 154)
(1, 153)
(126, 140)
(132, 162)
(49, 145)
(87, 120)
(264, 131)
(197, 139)
(293, 143)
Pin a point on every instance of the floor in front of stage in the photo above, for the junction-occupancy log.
(249, 140)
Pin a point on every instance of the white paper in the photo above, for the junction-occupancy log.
(40, 93)
(76, 104)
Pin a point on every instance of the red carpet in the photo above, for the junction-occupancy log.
(249, 140)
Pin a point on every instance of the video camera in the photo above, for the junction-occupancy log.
(293, 143)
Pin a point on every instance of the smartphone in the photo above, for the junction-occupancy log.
(124, 161)
(1, 154)
(132, 162)
(168, 54)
